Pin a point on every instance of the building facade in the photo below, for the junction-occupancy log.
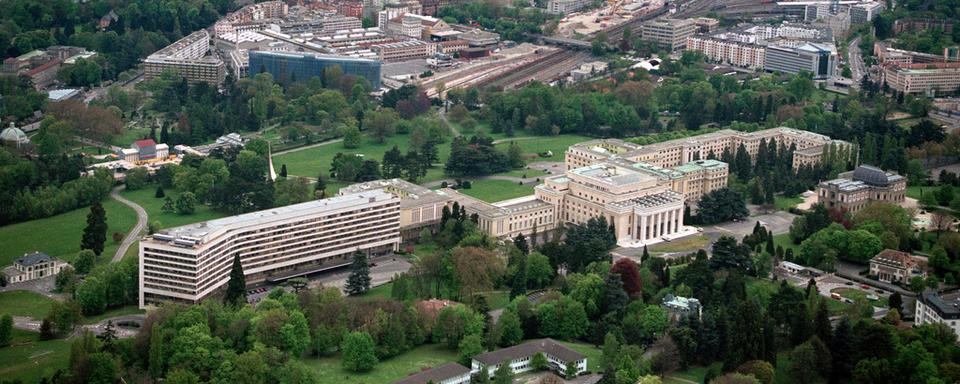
(669, 33)
(420, 207)
(191, 262)
(296, 66)
(404, 50)
(563, 7)
(923, 78)
(891, 266)
(852, 191)
(939, 308)
(817, 58)
(520, 356)
(865, 12)
(34, 266)
(740, 54)
(188, 58)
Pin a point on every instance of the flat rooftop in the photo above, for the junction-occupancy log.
(612, 174)
(202, 231)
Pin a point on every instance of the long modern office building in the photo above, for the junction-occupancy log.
(817, 58)
(296, 66)
(189, 58)
(191, 262)
(923, 78)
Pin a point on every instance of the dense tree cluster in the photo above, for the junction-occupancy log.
(475, 157)
(512, 23)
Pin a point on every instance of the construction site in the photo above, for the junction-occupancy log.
(612, 14)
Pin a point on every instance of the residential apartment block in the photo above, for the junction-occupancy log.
(250, 17)
(939, 308)
(745, 55)
(563, 7)
(670, 33)
(520, 356)
(852, 191)
(188, 58)
(923, 78)
(191, 262)
(865, 12)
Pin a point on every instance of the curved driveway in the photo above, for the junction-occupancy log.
(134, 234)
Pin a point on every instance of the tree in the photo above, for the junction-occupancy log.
(159, 193)
(503, 374)
(539, 272)
(352, 137)
(721, 205)
(381, 123)
(509, 329)
(611, 352)
(136, 178)
(186, 203)
(359, 280)
(469, 347)
(520, 241)
(564, 318)
(84, 261)
(95, 233)
(728, 254)
(6, 329)
(539, 362)
(237, 285)
(895, 301)
(103, 368)
(630, 276)
(358, 352)
(46, 330)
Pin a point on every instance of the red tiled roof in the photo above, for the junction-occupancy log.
(894, 258)
(43, 67)
(144, 143)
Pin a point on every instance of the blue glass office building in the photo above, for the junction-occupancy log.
(296, 66)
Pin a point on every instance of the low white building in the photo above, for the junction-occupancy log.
(939, 307)
(33, 266)
(520, 358)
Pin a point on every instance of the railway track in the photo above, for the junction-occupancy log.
(545, 69)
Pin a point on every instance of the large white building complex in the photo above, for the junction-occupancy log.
(939, 308)
(188, 58)
(190, 262)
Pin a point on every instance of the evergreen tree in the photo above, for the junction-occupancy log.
(6, 330)
(237, 286)
(320, 189)
(164, 134)
(283, 171)
(521, 242)
(95, 234)
(359, 280)
(841, 349)
(821, 322)
(46, 330)
(167, 205)
(518, 285)
(896, 302)
(646, 254)
(159, 194)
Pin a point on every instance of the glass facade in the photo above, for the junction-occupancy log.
(299, 67)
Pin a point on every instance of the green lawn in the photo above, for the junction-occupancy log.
(27, 359)
(689, 243)
(497, 190)
(154, 207)
(783, 203)
(329, 370)
(556, 144)
(24, 303)
(694, 374)
(382, 291)
(856, 294)
(784, 241)
(310, 162)
(497, 299)
(916, 191)
(122, 311)
(60, 235)
(593, 353)
(528, 173)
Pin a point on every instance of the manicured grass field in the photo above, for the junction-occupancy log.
(60, 235)
(122, 311)
(694, 374)
(535, 145)
(528, 173)
(497, 190)
(329, 370)
(310, 162)
(689, 243)
(594, 354)
(24, 303)
(382, 291)
(154, 207)
(917, 191)
(784, 241)
(856, 294)
(27, 359)
(783, 203)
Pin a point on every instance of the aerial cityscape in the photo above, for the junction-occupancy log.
(480, 191)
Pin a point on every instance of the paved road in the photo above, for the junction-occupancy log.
(297, 149)
(512, 179)
(134, 234)
(121, 325)
(855, 61)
